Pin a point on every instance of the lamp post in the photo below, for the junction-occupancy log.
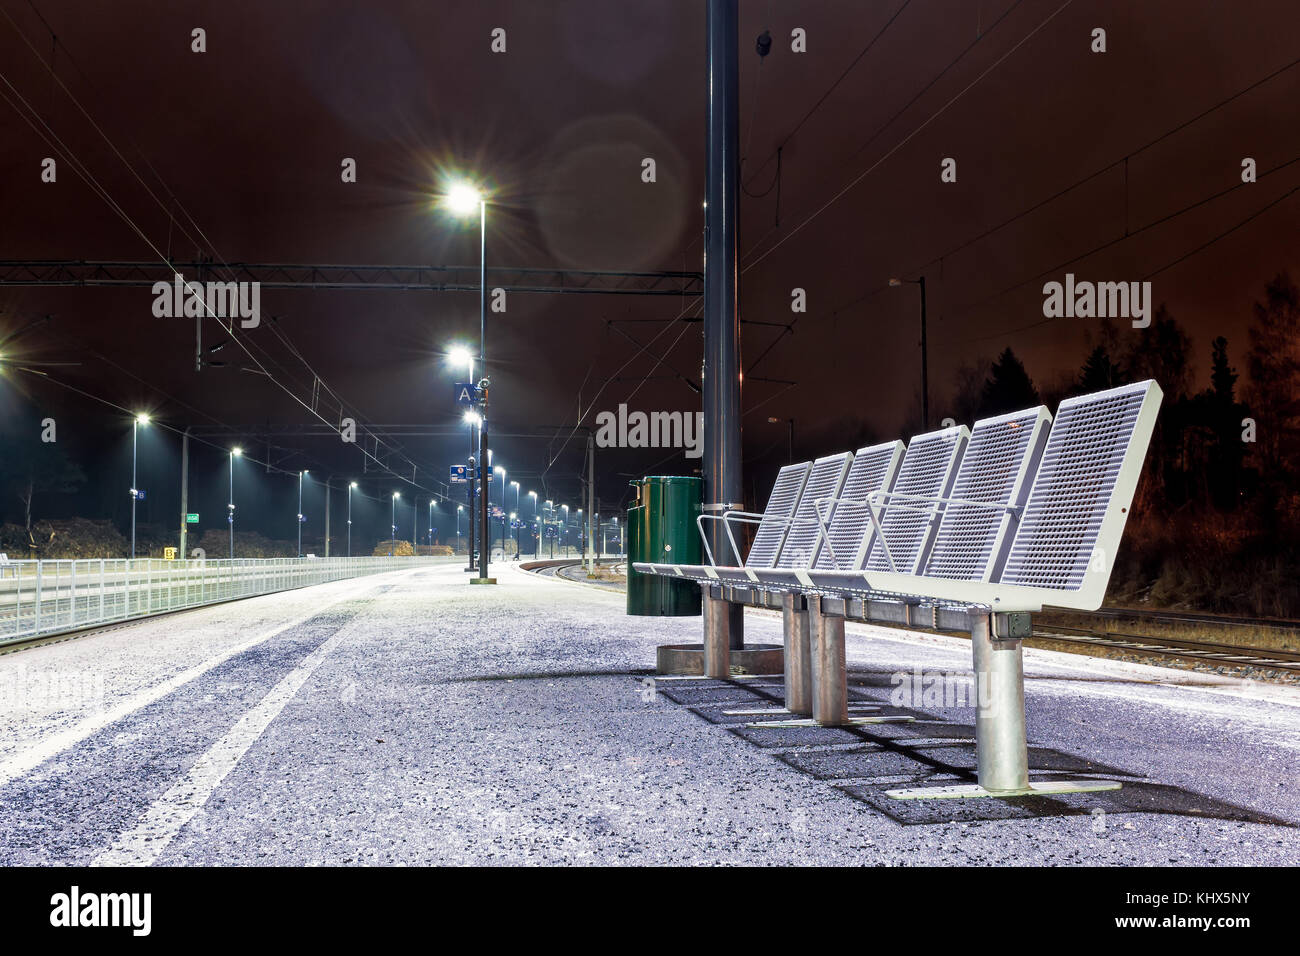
(230, 507)
(392, 541)
(135, 488)
(351, 485)
(431, 522)
(464, 199)
(538, 552)
(301, 517)
(458, 357)
(459, 510)
(498, 470)
(925, 371)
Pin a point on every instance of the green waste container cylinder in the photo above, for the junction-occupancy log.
(662, 529)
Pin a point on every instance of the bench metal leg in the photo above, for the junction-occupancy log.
(1001, 751)
(717, 636)
(827, 686)
(830, 688)
(798, 654)
(1001, 748)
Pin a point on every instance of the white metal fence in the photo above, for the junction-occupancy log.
(46, 597)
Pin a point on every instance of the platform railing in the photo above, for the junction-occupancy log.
(48, 597)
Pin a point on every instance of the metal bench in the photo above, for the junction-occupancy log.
(979, 529)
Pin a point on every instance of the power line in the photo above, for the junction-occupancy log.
(1121, 161)
(1120, 239)
(83, 171)
(905, 140)
(822, 99)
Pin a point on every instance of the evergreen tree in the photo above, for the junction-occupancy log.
(1223, 377)
(1009, 388)
(1099, 372)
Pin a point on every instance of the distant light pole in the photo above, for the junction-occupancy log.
(351, 486)
(230, 508)
(392, 541)
(564, 531)
(925, 371)
(533, 495)
(135, 487)
(514, 523)
(301, 518)
(789, 436)
(550, 512)
(463, 199)
(459, 511)
(498, 470)
(431, 522)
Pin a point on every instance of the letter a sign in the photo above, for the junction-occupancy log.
(466, 393)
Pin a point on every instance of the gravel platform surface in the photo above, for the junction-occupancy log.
(413, 718)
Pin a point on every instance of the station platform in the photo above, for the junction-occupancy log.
(409, 718)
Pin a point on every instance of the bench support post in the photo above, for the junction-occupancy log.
(798, 654)
(1001, 749)
(830, 689)
(717, 635)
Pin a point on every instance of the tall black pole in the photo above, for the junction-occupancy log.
(723, 622)
(484, 466)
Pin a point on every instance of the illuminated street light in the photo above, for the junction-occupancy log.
(392, 542)
(230, 506)
(140, 419)
(464, 199)
(301, 517)
(350, 487)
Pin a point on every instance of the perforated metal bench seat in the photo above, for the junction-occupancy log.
(1018, 513)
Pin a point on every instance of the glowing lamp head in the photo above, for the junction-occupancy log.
(237, 452)
(463, 199)
(142, 419)
(460, 357)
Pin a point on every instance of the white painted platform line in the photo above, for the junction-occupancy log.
(158, 826)
(25, 760)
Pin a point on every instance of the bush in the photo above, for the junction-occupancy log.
(401, 549)
(248, 544)
(77, 538)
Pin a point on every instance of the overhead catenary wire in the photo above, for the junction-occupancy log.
(756, 259)
(82, 170)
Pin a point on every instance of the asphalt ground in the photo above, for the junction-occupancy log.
(411, 718)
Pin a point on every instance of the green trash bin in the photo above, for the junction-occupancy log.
(661, 528)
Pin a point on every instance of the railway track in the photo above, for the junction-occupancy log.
(1141, 645)
(1230, 655)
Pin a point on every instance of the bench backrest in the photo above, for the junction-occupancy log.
(781, 504)
(803, 540)
(928, 469)
(1074, 518)
(849, 527)
(998, 468)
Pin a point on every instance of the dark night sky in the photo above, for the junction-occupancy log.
(249, 138)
